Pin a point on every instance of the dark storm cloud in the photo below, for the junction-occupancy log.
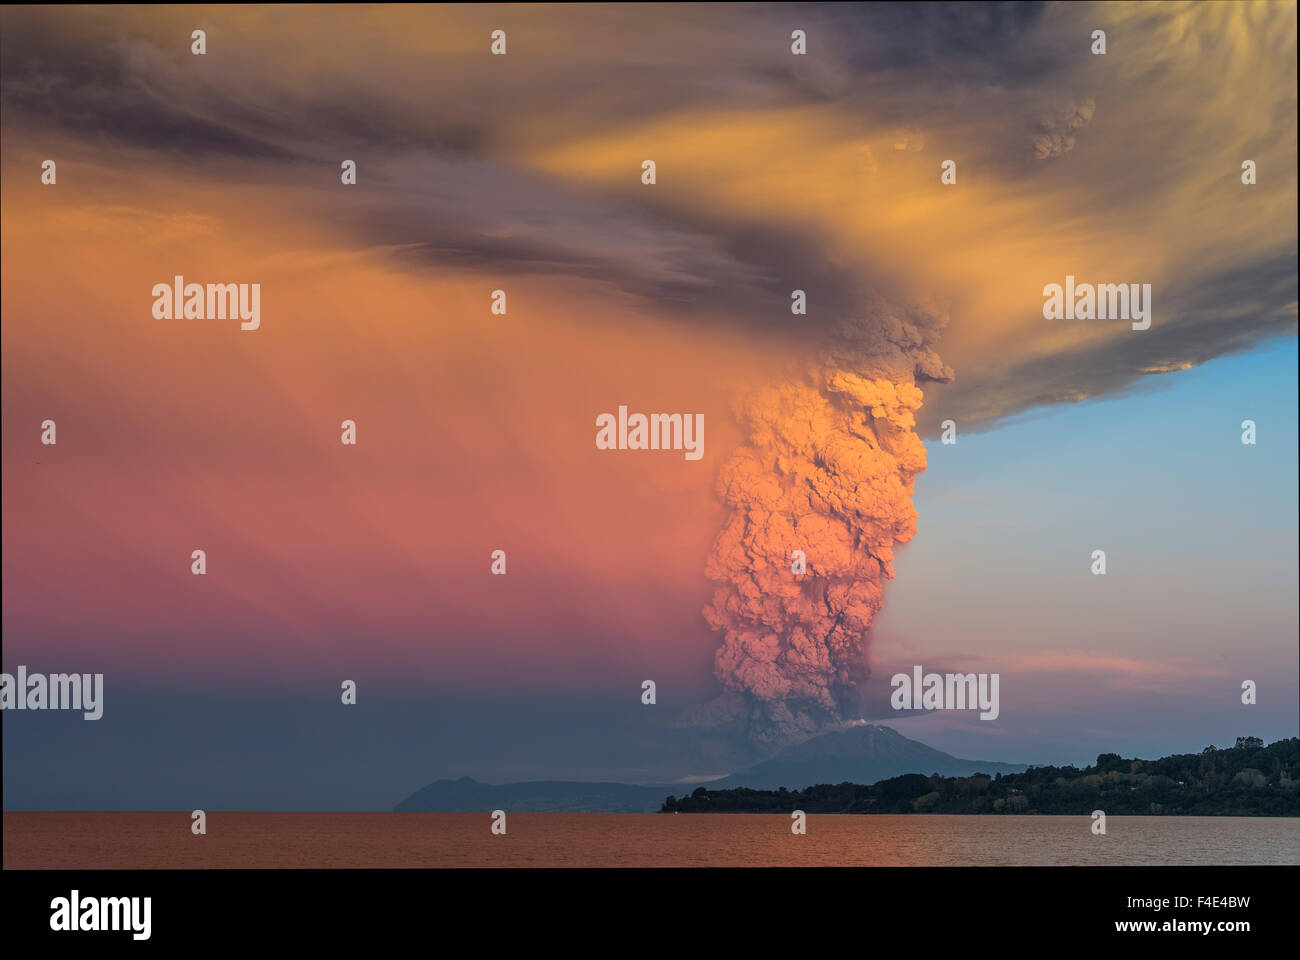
(966, 43)
(1219, 315)
(285, 93)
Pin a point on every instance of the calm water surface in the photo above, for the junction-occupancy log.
(326, 840)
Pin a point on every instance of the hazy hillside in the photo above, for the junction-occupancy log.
(863, 754)
(541, 796)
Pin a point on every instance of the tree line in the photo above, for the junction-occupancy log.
(1248, 779)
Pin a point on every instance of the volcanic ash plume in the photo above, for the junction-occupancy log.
(828, 470)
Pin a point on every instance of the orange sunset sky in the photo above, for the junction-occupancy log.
(475, 431)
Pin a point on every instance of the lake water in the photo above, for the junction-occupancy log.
(333, 840)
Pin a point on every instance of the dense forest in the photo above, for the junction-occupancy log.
(1248, 779)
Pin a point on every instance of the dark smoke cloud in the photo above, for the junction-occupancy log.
(282, 95)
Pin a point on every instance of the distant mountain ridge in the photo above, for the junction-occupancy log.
(539, 796)
(863, 755)
(1246, 780)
